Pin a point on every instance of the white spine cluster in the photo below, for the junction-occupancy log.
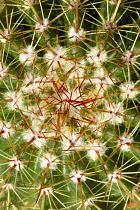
(6, 129)
(33, 83)
(114, 113)
(102, 79)
(49, 160)
(71, 102)
(128, 90)
(134, 190)
(7, 187)
(73, 3)
(110, 26)
(96, 125)
(28, 55)
(125, 142)
(77, 176)
(3, 70)
(96, 56)
(14, 100)
(46, 191)
(5, 35)
(89, 202)
(128, 58)
(71, 142)
(37, 114)
(113, 2)
(114, 176)
(35, 136)
(16, 163)
(43, 26)
(56, 57)
(26, 3)
(96, 149)
(76, 34)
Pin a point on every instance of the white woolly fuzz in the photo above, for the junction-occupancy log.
(46, 191)
(97, 123)
(110, 26)
(43, 26)
(96, 149)
(33, 83)
(28, 56)
(101, 79)
(36, 137)
(113, 2)
(96, 56)
(128, 58)
(49, 160)
(76, 34)
(72, 96)
(114, 113)
(7, 187)
(114, 176)
(77, 176)
(135, 190)
(16, 163)
(71, 141)
(73, 4)
(3, 70)
(6, 129)
(37, 114)
(71, 102)
(27, 3)
(89, 202)
(56, 57)
(128, 90)
(14, 100)
(125, 142)
(5, 35)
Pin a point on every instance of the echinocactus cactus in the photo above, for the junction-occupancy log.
(69, 104)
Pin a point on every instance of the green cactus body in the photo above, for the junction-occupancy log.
(69, 104)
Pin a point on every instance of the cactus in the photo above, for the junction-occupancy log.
(69, 104)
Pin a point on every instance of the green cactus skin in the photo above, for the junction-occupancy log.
(69, 104)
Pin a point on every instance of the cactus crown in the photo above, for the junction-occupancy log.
(69, 111)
